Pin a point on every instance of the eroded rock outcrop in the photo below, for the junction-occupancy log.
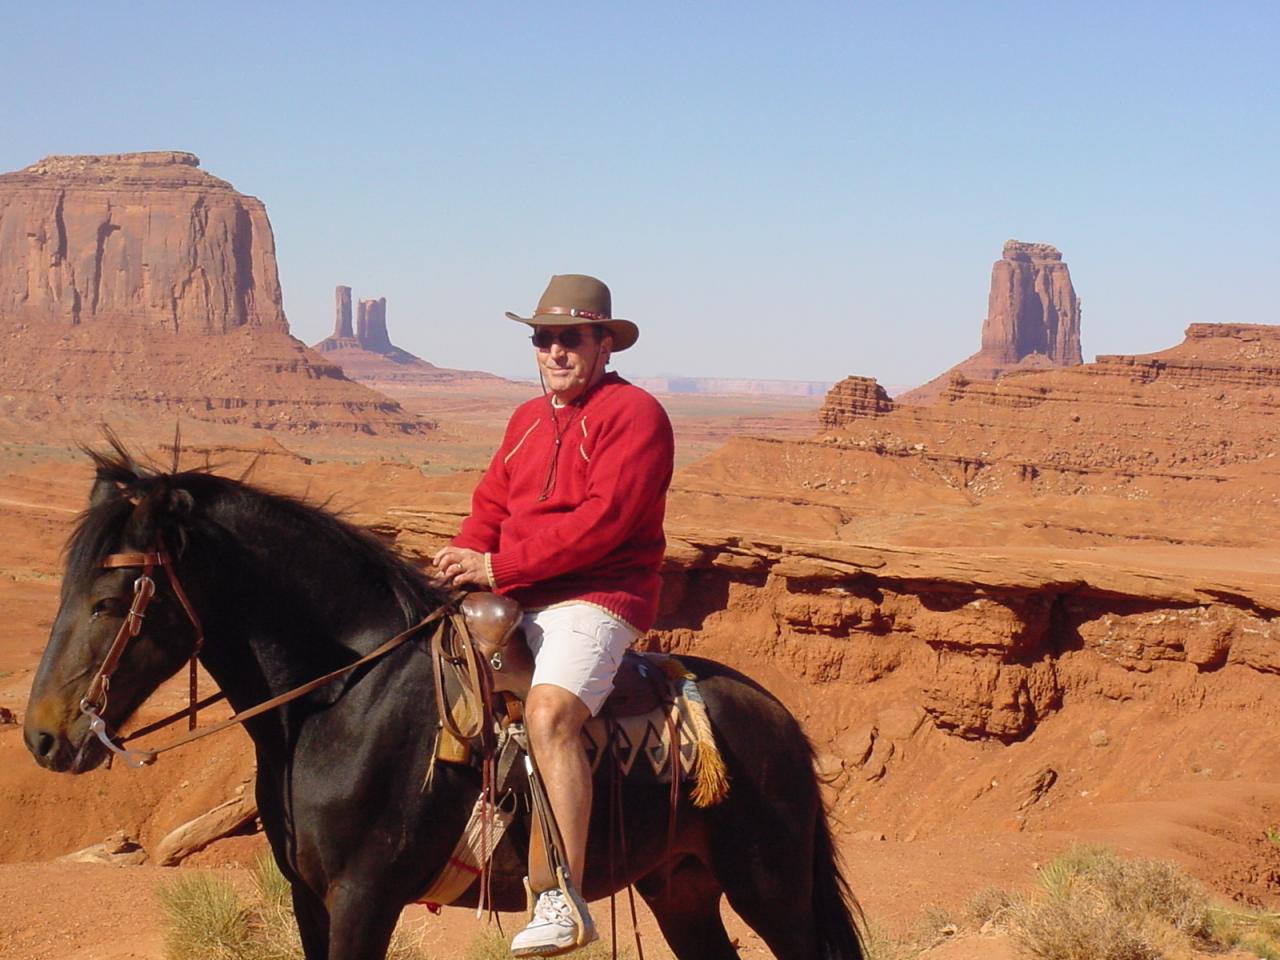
(147, 238)
(1032, 307)
(851, 399)
(342, 309)
(371, 326)
(1033, 320)
(134, 283)
(369, 356)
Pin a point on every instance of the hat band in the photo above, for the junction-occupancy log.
(572, 312)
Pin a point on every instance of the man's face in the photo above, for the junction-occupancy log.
(570, 370)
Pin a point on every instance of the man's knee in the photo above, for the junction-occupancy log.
(554, 714)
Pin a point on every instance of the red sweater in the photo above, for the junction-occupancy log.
(571, 506)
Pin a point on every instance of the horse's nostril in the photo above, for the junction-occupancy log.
(44, 745)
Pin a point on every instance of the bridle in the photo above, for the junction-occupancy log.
(94, 702)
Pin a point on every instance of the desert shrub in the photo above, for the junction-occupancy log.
(989, 905)
(1096, 906)
(206, 918)
(878, 944)
(1259, 933)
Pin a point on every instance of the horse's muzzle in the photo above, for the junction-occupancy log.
(62, 748)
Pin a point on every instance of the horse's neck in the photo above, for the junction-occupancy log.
(273, 630)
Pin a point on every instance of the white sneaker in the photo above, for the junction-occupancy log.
(552, 930)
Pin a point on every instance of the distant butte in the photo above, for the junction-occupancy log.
(133, 282)
(1033, 320)
(367, 354)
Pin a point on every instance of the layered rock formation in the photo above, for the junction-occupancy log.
(853, 398)
(136, 281)
(147, 238)
(370, 357)
(1033, 320)
(1032, 307)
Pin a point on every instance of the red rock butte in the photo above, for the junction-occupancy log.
(1033, 319)
(367, 354)
(137, 280)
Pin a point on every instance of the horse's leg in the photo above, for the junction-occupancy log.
(313, 922)
(686, 902)
(363, 920)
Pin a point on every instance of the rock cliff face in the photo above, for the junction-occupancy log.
(135, 282)
(147, 238)
(1033, 320)
(1032, 307)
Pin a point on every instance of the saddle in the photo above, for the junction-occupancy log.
(654, 726)
(493, 623)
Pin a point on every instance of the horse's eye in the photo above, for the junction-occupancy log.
(107, 606)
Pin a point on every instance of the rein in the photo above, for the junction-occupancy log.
(144, 589)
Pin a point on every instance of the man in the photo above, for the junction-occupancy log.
(568, 521)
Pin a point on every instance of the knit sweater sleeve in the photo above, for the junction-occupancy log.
(628, 476)
(481, 530)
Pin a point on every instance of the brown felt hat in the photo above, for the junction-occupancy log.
(572, 298)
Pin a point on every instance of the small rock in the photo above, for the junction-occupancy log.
(119, 849)
(872, 835)
(1099, 738)
(7, 716)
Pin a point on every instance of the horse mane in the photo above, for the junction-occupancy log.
(158, 504)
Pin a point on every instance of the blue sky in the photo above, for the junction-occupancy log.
(799, 191)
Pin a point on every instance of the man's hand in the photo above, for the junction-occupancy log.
(458, 566)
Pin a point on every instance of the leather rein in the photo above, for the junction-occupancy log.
(94, 702)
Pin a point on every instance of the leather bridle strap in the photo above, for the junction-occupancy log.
(383, 649)
(143, 590)
(159, 558)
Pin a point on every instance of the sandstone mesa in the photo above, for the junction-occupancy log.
(137, 282)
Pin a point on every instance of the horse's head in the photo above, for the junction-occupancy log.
(131, 510)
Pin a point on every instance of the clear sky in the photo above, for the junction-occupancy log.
(791, 191)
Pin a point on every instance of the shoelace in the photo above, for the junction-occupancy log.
(551, 907)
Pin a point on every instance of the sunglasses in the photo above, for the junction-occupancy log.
(570, 339)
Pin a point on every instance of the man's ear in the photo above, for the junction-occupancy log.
(606, 347)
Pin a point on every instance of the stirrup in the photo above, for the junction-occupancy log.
(586, 928)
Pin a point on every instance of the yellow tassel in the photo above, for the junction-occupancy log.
(710, 776)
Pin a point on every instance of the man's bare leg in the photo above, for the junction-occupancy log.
(554, 718)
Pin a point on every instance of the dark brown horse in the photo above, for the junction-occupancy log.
(287, 592)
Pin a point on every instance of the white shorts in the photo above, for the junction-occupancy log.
(578, 647)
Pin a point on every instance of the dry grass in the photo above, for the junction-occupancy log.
(1090, 904)
(206, 918)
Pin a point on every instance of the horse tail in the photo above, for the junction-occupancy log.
(834, 905)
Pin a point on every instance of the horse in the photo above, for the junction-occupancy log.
(281, 592)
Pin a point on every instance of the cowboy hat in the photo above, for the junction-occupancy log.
(571, 299)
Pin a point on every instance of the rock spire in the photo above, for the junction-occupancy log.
(1032, 307)
(1033, 320)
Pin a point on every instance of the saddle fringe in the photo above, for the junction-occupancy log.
(710, 775)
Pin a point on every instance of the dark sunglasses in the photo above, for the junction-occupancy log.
(570, 339)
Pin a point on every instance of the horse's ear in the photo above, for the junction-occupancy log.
(181, 502)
